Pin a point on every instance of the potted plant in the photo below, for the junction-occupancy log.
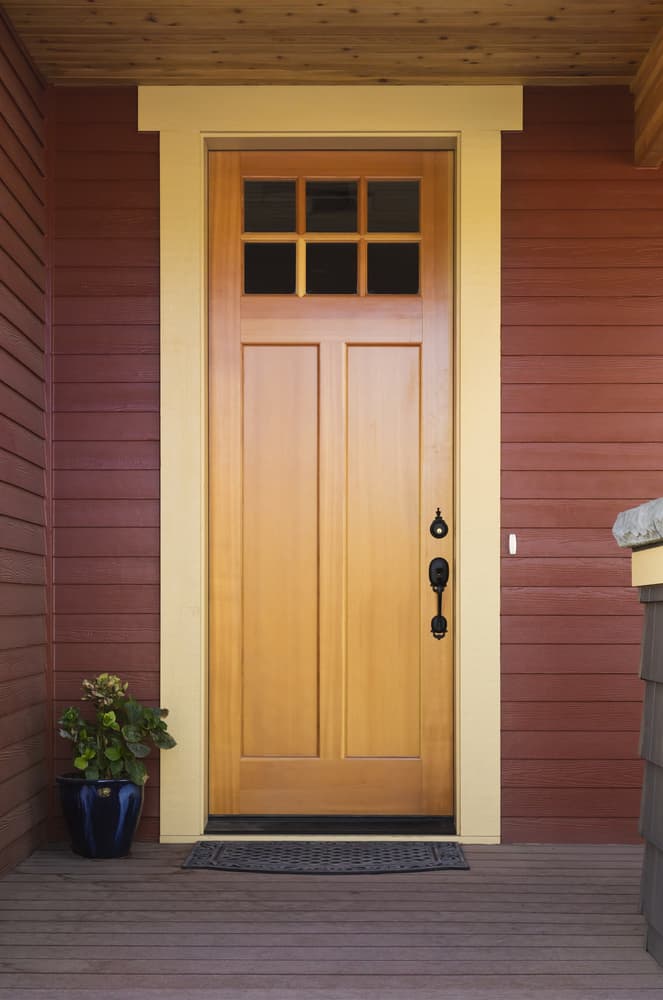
(102, 799)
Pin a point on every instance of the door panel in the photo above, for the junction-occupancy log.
(330, 448)
(383, 469)
(280, 552)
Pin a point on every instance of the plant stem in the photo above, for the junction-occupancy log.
(101, 745)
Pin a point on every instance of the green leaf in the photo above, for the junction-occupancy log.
(92, 773)
(71, 716)
(164, 741)
(113, 753)
(133, 711)
(136, 772)
(132, 734)
(138, 749)
(107, 719)
(116, 768)
(80, 763)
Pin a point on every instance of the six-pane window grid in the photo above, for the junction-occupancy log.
(340, 237)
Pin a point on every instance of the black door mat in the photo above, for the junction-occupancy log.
(325, 857)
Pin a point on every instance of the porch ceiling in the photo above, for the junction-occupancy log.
(337, 41)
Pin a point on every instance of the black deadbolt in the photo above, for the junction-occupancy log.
(439, 527)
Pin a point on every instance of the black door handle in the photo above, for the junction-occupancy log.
(438, 574)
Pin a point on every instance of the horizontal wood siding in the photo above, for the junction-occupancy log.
(23, 352)
(582, 440)
(582, 429)
(106, 401)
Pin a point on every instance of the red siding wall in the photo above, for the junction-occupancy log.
(106, 400)
(23, 661)
(583, 439)
(583, 426)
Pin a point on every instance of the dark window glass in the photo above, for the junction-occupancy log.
(331, 206)
(393, 206)
(393, 268)
(269, 268)
(269, 207)
(331, 268)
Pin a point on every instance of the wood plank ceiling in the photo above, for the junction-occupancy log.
(337, 41)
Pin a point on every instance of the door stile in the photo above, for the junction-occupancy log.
(332, 542)
(437, 488)
(225, 468)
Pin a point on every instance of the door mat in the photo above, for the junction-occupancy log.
(323, 857)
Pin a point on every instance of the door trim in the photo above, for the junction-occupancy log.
(468, 119)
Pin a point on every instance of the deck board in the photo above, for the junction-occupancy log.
(551, 923)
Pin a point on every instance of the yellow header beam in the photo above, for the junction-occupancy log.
(328, 110)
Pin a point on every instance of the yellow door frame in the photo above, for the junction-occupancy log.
(190, 121)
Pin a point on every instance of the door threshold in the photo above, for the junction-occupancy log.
(394, 825)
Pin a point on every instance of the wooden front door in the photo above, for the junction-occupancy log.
(330, 393)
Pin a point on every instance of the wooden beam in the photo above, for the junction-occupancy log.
(648, 90)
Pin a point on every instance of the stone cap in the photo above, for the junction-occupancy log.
(640, 526)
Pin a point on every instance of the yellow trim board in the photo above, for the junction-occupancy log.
(324, 110)
(467, 119)
(647, 567)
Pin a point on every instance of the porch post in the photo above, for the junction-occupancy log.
(641, 530)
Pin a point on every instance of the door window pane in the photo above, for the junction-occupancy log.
(393, 206)
(331, 268)
(331, 206)
(269, 207)
(393, 268)
(269, 268)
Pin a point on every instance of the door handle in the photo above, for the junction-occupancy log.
(438, 574)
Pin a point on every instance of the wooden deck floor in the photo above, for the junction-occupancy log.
(542, 923)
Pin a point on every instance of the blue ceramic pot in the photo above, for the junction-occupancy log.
(101, 815)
